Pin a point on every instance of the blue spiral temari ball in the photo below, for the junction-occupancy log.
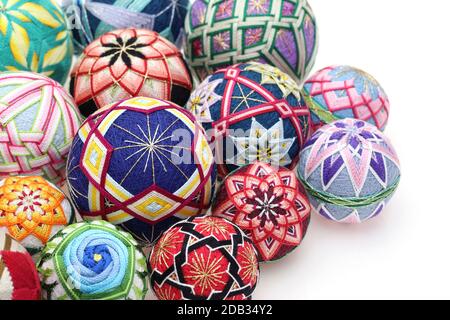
(92, 18)
(93, 261)
(252, 112)
(350, 171)
(143, 164)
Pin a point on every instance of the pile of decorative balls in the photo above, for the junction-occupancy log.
(190, 147)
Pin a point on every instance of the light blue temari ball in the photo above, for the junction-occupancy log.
(90, 19)
(350, 171)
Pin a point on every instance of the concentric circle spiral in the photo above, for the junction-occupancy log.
(93, 261)
(96, 262)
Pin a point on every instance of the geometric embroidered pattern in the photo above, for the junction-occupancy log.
(204, 258)
(225, 32)
(128, 63)
(38, 122)
(252, 112)
(129, 166)
(339, 92)
(32, 210)
(350, 170)
(268, 204)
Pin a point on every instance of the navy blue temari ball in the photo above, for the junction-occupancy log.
(143, 164)
(90, 19)
(252, 112)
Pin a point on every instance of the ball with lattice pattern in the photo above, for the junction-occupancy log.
(221, 33)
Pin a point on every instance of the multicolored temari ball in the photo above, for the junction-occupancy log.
(269, 204)
(93, 261)
(252, 112)
(340, 92)
(350, 171)
(19, 279)
(128, 63)
(221, 33)
(34, 36)
(94, 18)
(143, 164)
(32, 210)
(204, 258)
(38, 122)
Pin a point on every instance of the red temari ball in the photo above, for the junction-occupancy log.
(19, 279)
(269, 204)
(206, 258)
(128, 63)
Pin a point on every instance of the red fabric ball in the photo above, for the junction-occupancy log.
(19, 279)
(128, 63)
(269, 204)
(205, 258)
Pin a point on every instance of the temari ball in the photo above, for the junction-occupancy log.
(32, 210)
(350, 171)
(251, 112)
(204, 258)
(340, 92)
(19, 279)
(128, 63)
(269, 204)
(93, 18)
(34, 36)
(143, 164)
(38, 122)
(282, 33)
(93, 261)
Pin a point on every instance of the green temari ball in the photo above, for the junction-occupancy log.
(282, 33)
(34, 37)
(93, 261)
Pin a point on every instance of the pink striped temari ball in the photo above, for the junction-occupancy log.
(38, 121)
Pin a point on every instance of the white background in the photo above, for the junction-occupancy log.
(405, 252)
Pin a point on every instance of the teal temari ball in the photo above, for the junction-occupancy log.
(34, 36)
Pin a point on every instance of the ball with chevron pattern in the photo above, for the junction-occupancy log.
(127, 63)
(93, 18)
(350, 170)
(269, 204)
(19, 279)
(34, 36)
(204, 258)
(252, 112)
(38, 120)
(93, 261)
(221, 33)
(340, 92)
(143, 164)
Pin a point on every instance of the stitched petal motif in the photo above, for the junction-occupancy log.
(55, 55)
(40, 13)
(19, 44)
